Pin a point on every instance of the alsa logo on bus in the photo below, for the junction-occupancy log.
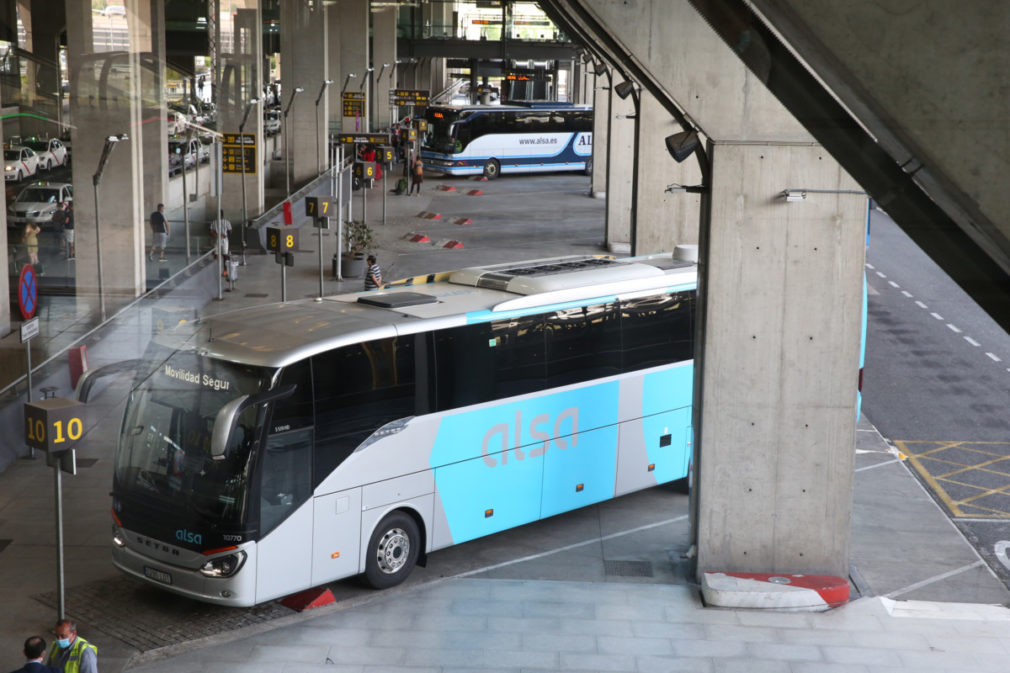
(536, 431)
(585, 140)
(184, 535)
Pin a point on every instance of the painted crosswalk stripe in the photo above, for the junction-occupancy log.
(907, 293)
(893, 284)
(993, 357)
(972, 341)
(954, 328)
(937, 316)
(920, 304)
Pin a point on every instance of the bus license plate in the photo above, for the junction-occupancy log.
(158, 575)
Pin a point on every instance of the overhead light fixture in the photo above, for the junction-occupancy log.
(624, 89)
(682, 145)
(793, 195)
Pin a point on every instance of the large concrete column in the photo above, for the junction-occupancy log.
(620, 164)
(242, 81)
(352, 31)
(155, 113)
(780, 299)
(106, 107)
(43, 24)
(664, 218)
(384, 52)
(304, 63)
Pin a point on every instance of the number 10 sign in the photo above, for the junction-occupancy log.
(54, 425)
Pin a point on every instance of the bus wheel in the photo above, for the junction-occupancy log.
(492, 169)
(589, 166)
(392, 551)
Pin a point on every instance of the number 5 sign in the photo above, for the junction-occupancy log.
(54, 425)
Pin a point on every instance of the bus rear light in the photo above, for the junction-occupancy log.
(488, 513)
(652, 467)
(223, 566)
(579, 487)
(860, 386)
(116, 519)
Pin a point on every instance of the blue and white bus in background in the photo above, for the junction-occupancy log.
(492, 140)
(276, 448)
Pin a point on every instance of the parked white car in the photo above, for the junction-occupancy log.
(51, 151)
(177, 122)
(19, 163)
(37, 202)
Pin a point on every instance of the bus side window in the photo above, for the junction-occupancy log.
(583, 344)
(360, 388)
(657, 330)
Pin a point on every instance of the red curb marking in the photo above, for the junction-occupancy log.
(308, 599)
(447, 188)
(834, 590)
(455, 245)
(433, 216)
(464, 220)
(474, 192)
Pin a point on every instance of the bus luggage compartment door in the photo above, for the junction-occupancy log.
(336, 535)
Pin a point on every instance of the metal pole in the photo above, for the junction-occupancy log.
(60, 611)
(364, 202)
(245, 215)
(28, 356)
(319, 228)
(339, 178)
(220, 248)
(185, 202)
(284, 277)
(98, 241)
(385, 174)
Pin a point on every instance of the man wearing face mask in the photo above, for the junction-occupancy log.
(71, 653)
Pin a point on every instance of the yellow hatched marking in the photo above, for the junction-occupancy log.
(923, 454)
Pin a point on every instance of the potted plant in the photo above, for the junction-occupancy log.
(357, 242)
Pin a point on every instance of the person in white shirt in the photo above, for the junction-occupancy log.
(221, 229)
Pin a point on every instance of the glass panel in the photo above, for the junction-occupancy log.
(657, 330)
(583, 344)
(286, 480)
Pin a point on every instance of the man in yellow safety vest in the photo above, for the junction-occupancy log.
(71, 653)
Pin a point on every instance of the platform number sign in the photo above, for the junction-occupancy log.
(319, 206)
(386, 152)
(55, 424)
(282, 239)
(364, 170)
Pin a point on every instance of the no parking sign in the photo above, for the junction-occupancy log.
(28, 292)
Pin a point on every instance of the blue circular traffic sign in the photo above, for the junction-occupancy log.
(28, 292)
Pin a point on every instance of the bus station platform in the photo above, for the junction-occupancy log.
(604, 588)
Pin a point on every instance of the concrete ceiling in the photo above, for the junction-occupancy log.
(911, 97)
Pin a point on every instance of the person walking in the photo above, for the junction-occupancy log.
(35, 652)
(68, 229)
(159, 229)
(71, 653)
(373, 276)
(417, 176)
(221, 230)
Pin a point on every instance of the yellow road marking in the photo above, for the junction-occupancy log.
(924, 454)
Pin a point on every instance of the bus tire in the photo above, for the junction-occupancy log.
(492, 169)
(392, 550)
(589, 167)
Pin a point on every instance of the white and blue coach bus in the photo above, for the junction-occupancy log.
(273, 449)
(491, 140)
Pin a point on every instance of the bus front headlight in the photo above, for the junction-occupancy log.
(224, 566)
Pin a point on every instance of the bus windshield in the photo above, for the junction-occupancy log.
(164, 456)
(441, 135)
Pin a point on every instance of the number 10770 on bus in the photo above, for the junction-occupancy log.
(277, 448)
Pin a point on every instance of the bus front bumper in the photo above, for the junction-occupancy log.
(239, 590)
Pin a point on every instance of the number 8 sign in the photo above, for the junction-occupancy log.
(282, 239)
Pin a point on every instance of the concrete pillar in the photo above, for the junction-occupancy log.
(335, 111)
(304, 64)
(780, 299)
(620, 164)
(5, 281)
(600, 83)
(106, 107)
(244, 78)
(43, 24)
(384, 48)
(155, 114)
(664, 219)
(352, 27)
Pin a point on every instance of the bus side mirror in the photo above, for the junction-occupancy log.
(227, 417)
